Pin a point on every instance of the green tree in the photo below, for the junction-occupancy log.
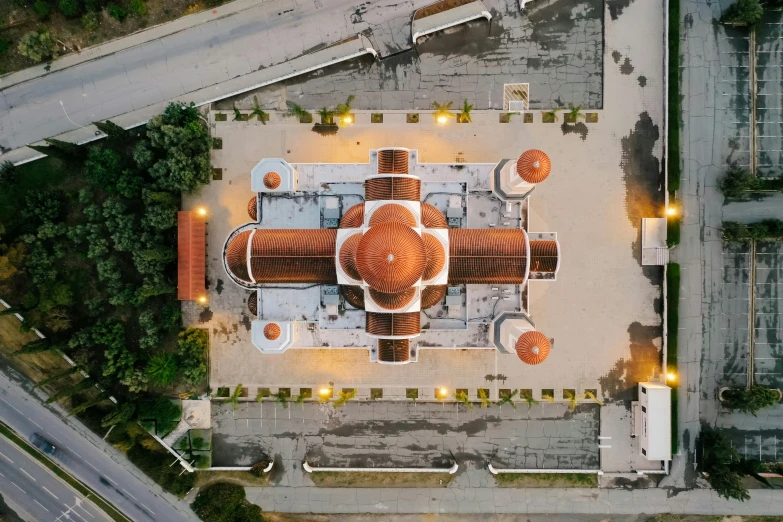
(137, 7)
(462, 397)
(192, 347)
(234, 398)
(37, 346)
(750, 400)
(508, 399)
(327, 116)
(69, 392)
(237, 113)
(116, 12)
(719, 461)
(161, 217)
(258, 111)
(101, 397)
(746, 13)
(575, 112)
(345, 396)
(69, 8)
(464, 116)
(9, 174)
(90, 22)
(42, 8)
(70, 149)
(103, 167)
(737, 182)
(113, 131)
(122, 414)
(57, 376)
(297, 110)
(224, 502)
(162, 368)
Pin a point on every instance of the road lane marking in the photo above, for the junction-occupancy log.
(31, 420)
(69, 449)
(93, 467)
(148, 509)
(26, 473)
(52, 494)
(73, 510)
(11, 405)
(110, 480)
(129, 494)
(6, 457)
(85, 510)
(20, 489)
(41, 505)
(1, 475)
(55, 438)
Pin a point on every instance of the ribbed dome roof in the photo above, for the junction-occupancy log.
(391, 257)
(252, 302)
(252, 208)
(393, 301)
(353, 217)
(236, 255)
(354, 295)
(436, 256)
(533, 166)
(432, 295)
(348, 256)
(532, 347)
(392, 212)
(272, 180)
(431, 217)
(272, 331)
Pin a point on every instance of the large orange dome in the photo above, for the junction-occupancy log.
(392, 212)
(533, 166)
(348, 256)
(391, 257)
(532, 347)
(436, 256)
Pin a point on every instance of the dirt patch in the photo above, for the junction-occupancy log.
(70, 31)
(243, 478)
(370, 479)
(546, 480)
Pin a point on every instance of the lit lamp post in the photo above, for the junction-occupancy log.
(347, 119)
(671, 211)
(442, 393)
(201, 211)
(442, 119)
(202, 299)
(324, 392)
(671, 376)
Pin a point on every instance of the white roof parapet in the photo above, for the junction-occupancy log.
(451, 470)
(449, 18)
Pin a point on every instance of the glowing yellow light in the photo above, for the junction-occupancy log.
(443, 391)
(347, 119)
(324, 392)
(202, 299)
(442, 119)
(671, 211)
(201, 211)
(671, 376)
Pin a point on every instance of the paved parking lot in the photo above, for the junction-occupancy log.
(732, 356)
(769, 97)
(407, 434)
(768, 345)
(732, 98)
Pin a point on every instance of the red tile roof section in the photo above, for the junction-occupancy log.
(191, 256)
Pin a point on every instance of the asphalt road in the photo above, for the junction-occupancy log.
(36, 493)
(92, 465)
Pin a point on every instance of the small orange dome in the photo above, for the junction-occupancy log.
(431, 217)
(432, 295)
(532, 347)
(353, 217)
(391, 257)
(252, 208)
(393, 301)
(533, 166)
(436, 257)
(392, 212)
(272, 180)
(272, 331)
(348, 256)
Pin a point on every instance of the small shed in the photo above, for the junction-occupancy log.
(654, 248)
(653, 421)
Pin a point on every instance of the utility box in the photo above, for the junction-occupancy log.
(654, 421)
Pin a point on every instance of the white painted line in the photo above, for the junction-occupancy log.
(6, 457)
(148, 509)
(11, 405)
(20, 489)
(85, 510)
(55, 438)
(93, 467)
(73, 510)
(69, 449)
(26, 473)
(52, 494)
(110, 480)
(41, 505)
(1, 475)
(129, 494)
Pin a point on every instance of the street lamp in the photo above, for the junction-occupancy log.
(201, 211)
(324, 392)
(671, 376)
(202, 299)
(671, 211)
(347, 119)
(442, 119)
(443, 392)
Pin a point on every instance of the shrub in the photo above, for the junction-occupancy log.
(737, 182)
(224, 502)
(766, 229)
(745, 13)
(5, 44)
(69, 7)
(157, 465)
(38, 45)
(720, 460)
(42, 8)
(192, 346)
(162, 368)
(160, 409)
(90, 21)
(137, 7)
(750, 400)
(116, 12)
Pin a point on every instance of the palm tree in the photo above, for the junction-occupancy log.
(485, 402)
(258, 111)
(281, 399)
(571, 396)
(552, 114)
(529, 400)
(443, 110)
(237, 113)
(464, 399)
(464, 116)
(326, 116)
(508, 399)
(345, 396)
(591, 396)
(548, 398)
(300, 398)
(297, 110)
(574, 113)
(344, 109)
(234, 399)
(162, 368)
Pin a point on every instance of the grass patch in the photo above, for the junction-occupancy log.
(375, 479)
(57, 470)
(673, 146)
(243, 478)
(546, 480)
(673, 323)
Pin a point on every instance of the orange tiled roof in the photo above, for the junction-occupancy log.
(532, 347)
(533, 166)
(391, 257)
(191, 256)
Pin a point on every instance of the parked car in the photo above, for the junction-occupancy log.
(43, 444)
